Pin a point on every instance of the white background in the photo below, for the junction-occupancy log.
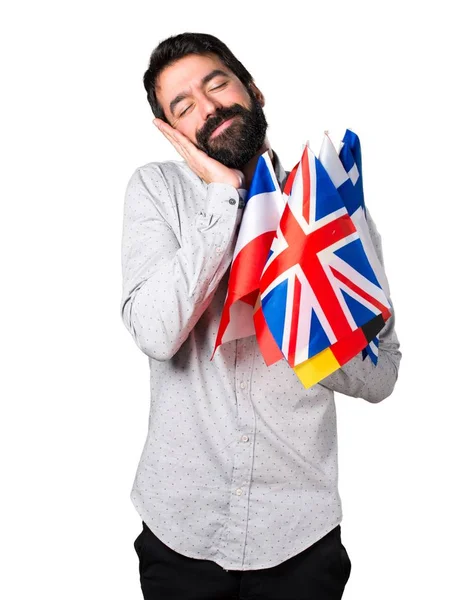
(75, 124)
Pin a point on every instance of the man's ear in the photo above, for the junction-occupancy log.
(257, 92)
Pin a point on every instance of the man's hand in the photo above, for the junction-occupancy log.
(208, 169)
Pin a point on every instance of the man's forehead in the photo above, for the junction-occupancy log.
(187, 72)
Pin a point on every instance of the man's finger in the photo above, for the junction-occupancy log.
(173, 139)
(197, 160)
(176, 135)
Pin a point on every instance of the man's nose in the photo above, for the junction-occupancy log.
(208, 107)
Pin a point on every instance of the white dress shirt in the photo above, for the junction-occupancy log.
(240, 462)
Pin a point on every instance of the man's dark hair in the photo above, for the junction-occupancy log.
(173, 48)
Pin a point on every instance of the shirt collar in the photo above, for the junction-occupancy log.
(280, 172)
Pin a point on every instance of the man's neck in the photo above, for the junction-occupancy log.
(249, 168)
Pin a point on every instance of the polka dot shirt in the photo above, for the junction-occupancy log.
(240, 461)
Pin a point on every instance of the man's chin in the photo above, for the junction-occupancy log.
(222, 153)
(230, 146)
(224, 146)
(226, 159)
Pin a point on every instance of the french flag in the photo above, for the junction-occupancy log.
(264, 205)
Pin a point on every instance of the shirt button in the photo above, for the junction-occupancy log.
(239, 492)
(243, 385)
(232, 201)
(245, 438)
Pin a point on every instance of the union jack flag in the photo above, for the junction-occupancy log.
(320, 297)
(345, 172)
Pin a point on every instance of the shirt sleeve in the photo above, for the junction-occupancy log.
(363, 379)
(168, 283)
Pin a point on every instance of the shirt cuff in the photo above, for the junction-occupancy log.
(222, 199)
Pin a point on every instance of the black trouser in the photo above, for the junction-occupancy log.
(318, 573)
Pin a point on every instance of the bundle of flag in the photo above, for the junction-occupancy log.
(305, 277)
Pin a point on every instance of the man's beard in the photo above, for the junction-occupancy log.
(241, 140)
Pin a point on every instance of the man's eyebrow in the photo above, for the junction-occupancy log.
(214, 73)
(205, 80)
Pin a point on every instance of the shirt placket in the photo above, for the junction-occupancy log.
(236, 530)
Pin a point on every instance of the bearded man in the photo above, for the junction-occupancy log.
(237, 485)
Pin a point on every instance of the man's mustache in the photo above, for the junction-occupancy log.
(223, 114)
